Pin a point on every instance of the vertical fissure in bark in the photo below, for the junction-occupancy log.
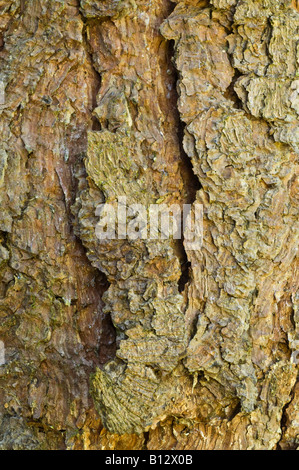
(230, 92)
(284, 417)
(95, 123)
(4, 239)
(146, 436)
(107, 347)
(191, 183)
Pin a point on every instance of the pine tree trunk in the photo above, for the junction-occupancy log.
(149, 344)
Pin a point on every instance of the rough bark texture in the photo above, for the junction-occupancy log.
(146, 344)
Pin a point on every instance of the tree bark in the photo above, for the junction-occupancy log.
(149, 344)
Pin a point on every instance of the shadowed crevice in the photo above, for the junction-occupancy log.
(190, 179)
